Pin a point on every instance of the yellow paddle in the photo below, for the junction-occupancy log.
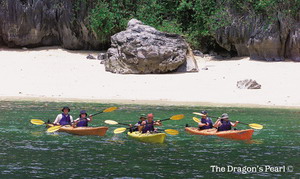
(172, 131)
(252, 125)
(168, 131)
(112, 122)
(56, 128)
(175, 117)
(53, 128)
(37, 122)
(120, 130)
(196, 119)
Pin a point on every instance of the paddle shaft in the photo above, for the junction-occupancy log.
(231, 121)
(164, 119)
(124, 124)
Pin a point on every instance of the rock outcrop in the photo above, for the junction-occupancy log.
(257, 37)
(248, 84)
(143, 49)
(33, 23)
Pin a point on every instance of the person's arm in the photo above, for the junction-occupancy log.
(200, 124)
(90, 118)
(75, 122)
(158, 123)
(57, 119)
(71, 119)
(234, 124)
(217, 123)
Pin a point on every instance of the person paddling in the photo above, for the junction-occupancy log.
(224, 124)
(138, 126)
(64, 118)
(206, 122)
(148, 125)
(82, 121)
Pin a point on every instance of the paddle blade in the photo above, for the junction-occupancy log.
(111, 109)
(120, 130)
(177, 117)
(199, 114)
(256, 126)
(53, 129)
(196, 119)
(111, 122)
(172, 131)
(37, 122)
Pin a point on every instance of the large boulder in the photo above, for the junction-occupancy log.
(143, 49)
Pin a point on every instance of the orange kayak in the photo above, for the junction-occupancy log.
(231, 134)
(100, 131)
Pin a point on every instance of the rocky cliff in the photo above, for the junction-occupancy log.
(32, 23)
(261, 38)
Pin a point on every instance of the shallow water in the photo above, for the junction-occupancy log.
(27, 151)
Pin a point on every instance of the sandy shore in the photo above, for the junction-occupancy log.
(54, 74)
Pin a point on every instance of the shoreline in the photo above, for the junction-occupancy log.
(142, 102)
(56, 74)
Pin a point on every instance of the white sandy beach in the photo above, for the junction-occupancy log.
(55, 74)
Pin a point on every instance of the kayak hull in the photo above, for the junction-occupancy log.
(231, 134)
(99, 131)
(148, 137)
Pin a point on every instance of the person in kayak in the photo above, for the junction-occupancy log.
(223, 123)
(64, 118)
(138, 126)
(83, 120)
(206, 122)
(148, 125)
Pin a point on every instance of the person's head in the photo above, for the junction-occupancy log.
(150, 117)
(66, 110)
(225, 116)
(142, 117)
(83, 114)
(205, 114)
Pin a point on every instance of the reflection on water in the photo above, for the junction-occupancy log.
(255, 141)
(28, 151)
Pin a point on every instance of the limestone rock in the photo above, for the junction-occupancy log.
(90, 57)
(143, 49)
(44, 23)
(248, 84)
(254, 36)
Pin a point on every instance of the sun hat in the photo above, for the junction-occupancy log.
(204, 112)
(82, 112)
(65, 107)
(224, 116)
(142, 116)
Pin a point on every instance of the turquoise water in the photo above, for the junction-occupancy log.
(27, 151)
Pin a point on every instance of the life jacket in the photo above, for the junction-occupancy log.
(207, 120)
(135, 128)
(148, 127)
(65, 120)
(226, 125)
(83, 122)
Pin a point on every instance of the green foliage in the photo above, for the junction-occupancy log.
(106, 20)
(197, 20)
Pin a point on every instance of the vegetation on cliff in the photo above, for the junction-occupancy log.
(197, 20)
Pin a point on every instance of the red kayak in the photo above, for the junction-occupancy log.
(231, 134)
